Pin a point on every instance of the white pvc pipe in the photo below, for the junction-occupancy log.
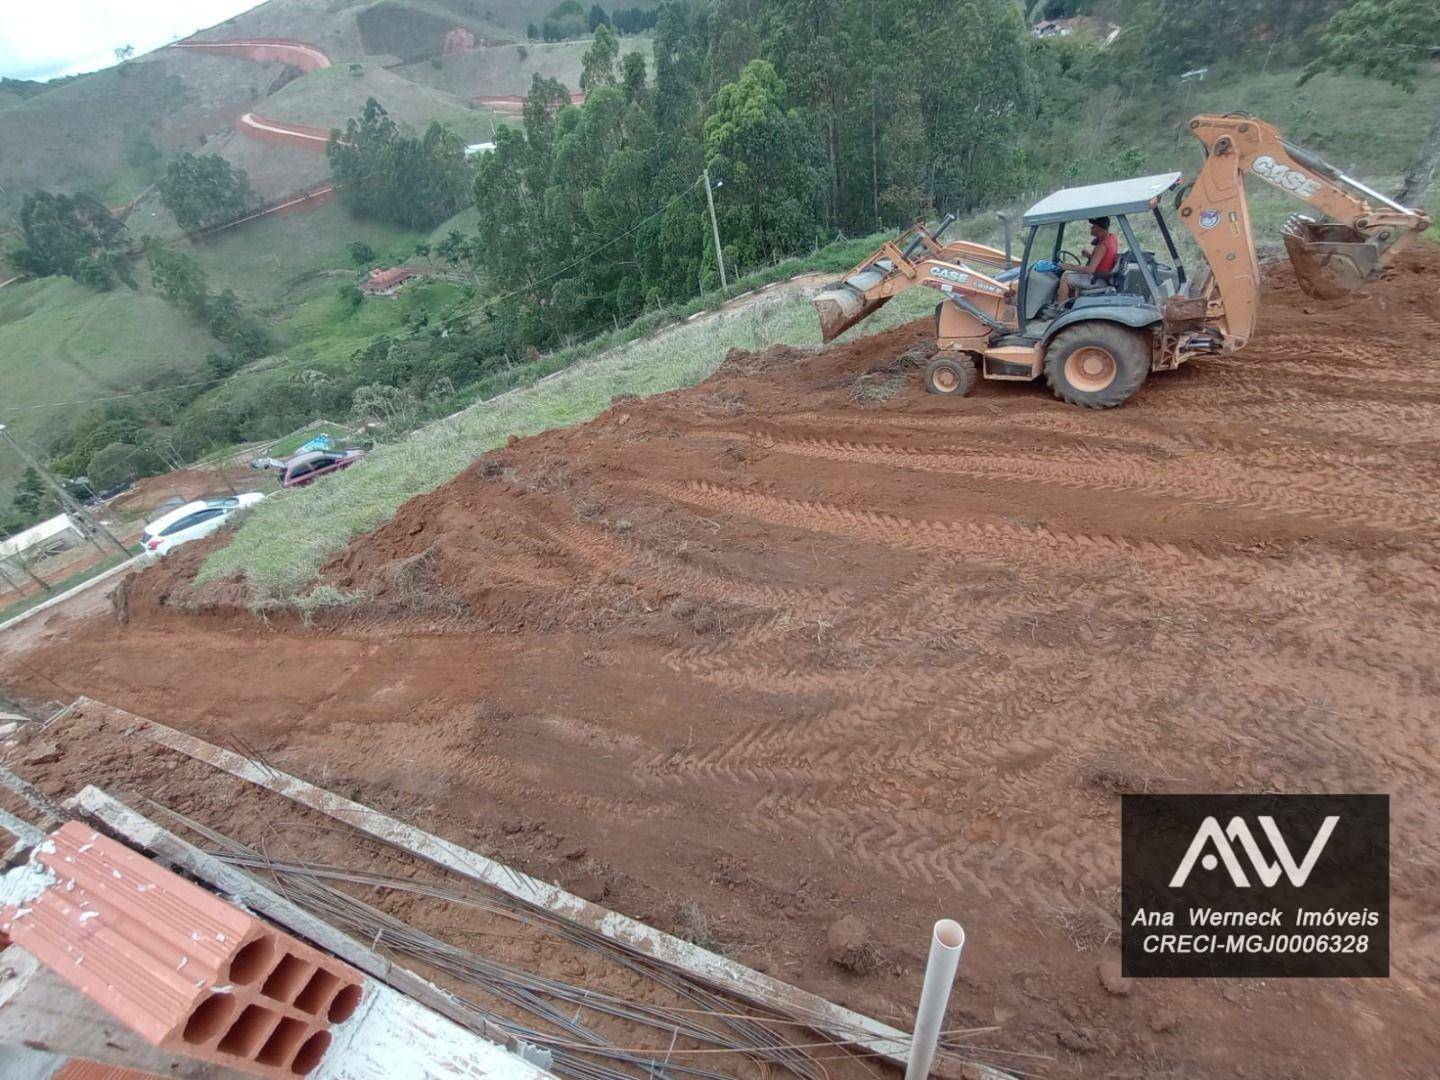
(945, 946)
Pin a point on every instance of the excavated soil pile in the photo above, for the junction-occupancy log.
(802, 643)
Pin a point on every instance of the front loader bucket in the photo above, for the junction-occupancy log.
(842, 305)
(1330, 260)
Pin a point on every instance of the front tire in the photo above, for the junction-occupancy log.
(950, 375)
(1097, 365)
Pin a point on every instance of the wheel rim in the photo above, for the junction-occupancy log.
(1090, 368)
(946, 379)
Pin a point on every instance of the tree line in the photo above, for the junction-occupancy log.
(817, 118)
(814, 117)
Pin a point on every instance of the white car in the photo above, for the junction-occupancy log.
(192, 521)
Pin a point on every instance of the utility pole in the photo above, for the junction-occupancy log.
(66, 499)
(715, 229)
(44, 585)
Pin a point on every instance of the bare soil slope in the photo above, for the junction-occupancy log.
(803, 642)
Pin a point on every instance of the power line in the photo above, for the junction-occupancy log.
(67, 501)
(136, 393)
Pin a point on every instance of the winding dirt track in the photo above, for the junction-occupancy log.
(304, 136)
(803, 642)
(301, 54)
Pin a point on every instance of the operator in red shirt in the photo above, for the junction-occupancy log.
(1101, 259)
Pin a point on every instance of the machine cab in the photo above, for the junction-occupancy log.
(1056, 229)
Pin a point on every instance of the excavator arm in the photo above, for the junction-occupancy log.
(1330, 258)
(916, 257)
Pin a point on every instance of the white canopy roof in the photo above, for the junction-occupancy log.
(1116, 197)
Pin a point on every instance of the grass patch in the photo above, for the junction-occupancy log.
(331, 96)
(62, 342)
(341, 434)
(284, 542)
(279, 261)
(324, 598)
(497, 70)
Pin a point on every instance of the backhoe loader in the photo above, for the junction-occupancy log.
(1097, 347)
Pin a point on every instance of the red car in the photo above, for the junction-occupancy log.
(305, 468)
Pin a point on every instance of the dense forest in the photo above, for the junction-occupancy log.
(815, 118)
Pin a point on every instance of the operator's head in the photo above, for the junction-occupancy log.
(1099, 226)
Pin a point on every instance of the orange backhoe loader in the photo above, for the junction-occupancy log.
(1097, 346)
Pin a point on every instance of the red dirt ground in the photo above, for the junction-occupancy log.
(802, 642)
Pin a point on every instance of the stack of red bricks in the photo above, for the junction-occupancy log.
(175, 963)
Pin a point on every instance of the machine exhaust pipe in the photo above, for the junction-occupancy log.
(1005, 225)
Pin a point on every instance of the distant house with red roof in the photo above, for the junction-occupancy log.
(382, 282)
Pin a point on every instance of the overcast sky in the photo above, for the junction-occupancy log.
(40, 39)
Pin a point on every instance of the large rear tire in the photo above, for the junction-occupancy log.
(950, 374)
(1097, 365)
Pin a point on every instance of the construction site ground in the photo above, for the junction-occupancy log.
(802, 642)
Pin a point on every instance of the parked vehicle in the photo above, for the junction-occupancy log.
(306, 468)
(192, 521)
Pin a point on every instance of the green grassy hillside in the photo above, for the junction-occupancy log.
(278, 262)
(509, 69)
(405, 30)
(95, 133)
(1366, 128)
(61, 342)
(329, 24)
(331, 96)
(414, 29)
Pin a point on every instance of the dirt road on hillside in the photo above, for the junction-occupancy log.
(803, 642)
(300, 54)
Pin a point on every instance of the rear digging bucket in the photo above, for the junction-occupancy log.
(1330, 260)
(840, 308)
(842, 305)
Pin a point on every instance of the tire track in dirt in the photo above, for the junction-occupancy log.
(678, 578)
(1110, 474)
(906, 533)
(926, 846)
(1379, 379)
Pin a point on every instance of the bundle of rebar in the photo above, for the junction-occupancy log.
(715, 1022)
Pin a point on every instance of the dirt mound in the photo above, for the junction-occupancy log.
(150, 493)
(802, 642)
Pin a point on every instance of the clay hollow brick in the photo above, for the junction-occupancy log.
(177, 964)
